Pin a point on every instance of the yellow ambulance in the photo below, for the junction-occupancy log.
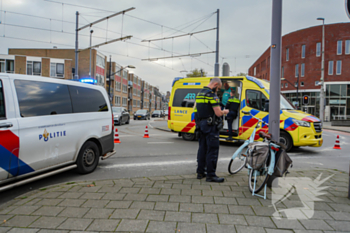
(297, 128)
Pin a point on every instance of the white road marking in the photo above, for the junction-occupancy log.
(184, 162)
(159, 142)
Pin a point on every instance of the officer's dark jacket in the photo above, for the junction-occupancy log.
(233, 105)
(206, 100)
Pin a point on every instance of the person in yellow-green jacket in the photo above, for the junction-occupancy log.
(232, 105)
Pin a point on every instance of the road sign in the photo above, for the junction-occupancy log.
(347, 7)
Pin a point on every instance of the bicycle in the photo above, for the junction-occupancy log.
(257, 177)
(240, 156)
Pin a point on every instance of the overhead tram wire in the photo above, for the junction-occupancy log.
(125, 14)
(102, 28)
(69, 4)
(70, 22)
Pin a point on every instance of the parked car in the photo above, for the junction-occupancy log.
(50, 125)
(166, 112)
(121, 115)
(142, 114)
(157, 113)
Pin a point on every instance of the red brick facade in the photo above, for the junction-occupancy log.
(308, 37)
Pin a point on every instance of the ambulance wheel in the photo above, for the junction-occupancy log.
(188, 136)
(287, 140)
(88, 158)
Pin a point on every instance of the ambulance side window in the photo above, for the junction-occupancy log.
(257, 100)
(185, 98)
(2, 102)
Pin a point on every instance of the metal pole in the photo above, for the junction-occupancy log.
(76, 76)
(275, 67)
(298, 91)
(90, 51)
(110, 78)
(322, 78)
(216, 69)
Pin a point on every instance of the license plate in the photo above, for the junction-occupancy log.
(139, 116)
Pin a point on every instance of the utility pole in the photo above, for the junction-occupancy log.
(76, 76)
(216, 69)
(110, 78)
(275, 67)
(322, 75)
(91, 31)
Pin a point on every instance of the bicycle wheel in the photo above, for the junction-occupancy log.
(238, 162)
(261, 178)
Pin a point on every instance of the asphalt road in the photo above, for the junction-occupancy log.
(164, 153)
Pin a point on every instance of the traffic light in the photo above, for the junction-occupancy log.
(305, 100)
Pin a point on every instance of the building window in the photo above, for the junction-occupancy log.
(33, 68)
(339, 47)
(318, 49)
(117, 101)
(29, 68)
(125, 101)
(347, 47)
(56, 70)
(302, 84)
(118, 86)
(296, 84)
(296, 70)
(303, 51)
(100, 61)
(286, 85)
(254, 71)
(302, 70)
(125, 88)
(338, 70)
(330, 68)
(282, 72)
(287, 54)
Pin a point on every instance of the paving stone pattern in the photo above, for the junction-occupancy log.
(178, 204)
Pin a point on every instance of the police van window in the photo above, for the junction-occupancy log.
(257, 100)
(42, 98)
(2, 102)
(185, 98)
(87, 100)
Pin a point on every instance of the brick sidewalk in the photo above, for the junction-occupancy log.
(176, 204)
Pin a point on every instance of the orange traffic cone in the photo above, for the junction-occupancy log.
(116, 136)
(337, 145)
(146, 133)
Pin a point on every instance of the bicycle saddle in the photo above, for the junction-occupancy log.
(265, 135)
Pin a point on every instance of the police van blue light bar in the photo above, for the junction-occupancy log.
(88, 80)
(191, 84)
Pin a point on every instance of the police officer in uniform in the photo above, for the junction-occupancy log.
(209, 120)
(233, 106)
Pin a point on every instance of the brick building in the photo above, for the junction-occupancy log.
(301, 60)
(126, 90)
(98, 60)
(41, 66)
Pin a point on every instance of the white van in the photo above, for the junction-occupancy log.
(50, 125)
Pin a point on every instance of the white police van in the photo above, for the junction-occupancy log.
(49, 126)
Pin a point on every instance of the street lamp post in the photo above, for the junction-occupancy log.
(92, 31)
(322, 75)
(110, 75)
(283, 79)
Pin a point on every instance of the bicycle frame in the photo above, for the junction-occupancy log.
(247, 142)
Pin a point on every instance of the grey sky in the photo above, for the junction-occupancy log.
(245, 30)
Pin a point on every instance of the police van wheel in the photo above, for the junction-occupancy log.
(88, 158)
(188, 136)
(286, 139)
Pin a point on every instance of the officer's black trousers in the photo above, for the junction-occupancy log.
(208, 150)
